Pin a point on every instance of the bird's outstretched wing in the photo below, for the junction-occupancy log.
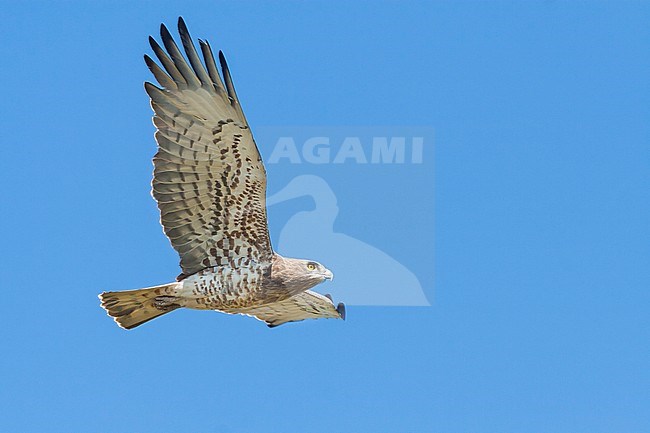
(209, 179)
(305, 305)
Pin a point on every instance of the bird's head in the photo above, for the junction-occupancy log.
(316, 271)
(300, 274)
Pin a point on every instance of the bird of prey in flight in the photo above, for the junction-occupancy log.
(210, 185)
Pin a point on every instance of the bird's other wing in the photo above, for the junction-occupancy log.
(305, 305)
(209, 179)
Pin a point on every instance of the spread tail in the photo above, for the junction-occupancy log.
(131, 308)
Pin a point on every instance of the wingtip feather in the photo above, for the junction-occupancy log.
(164, 31)
(341, 310)
(182, 27)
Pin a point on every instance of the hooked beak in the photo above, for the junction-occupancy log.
(328, 275)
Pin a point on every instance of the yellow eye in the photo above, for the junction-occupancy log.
(311, 266)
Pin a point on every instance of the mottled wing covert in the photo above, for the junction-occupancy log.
(209, 180)
(305, 305)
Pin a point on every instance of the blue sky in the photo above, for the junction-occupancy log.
(529, 233)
